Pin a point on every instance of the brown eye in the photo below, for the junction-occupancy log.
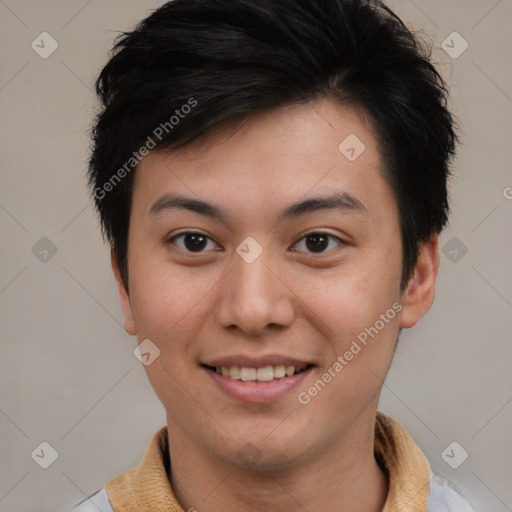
(318, 242)
(192, 241)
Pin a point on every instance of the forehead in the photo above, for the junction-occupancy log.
(271, 158)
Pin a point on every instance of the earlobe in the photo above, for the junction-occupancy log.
(419, 294)
(129, 324)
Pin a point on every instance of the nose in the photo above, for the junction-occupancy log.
(254, 299)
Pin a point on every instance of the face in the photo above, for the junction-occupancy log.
(265, 264)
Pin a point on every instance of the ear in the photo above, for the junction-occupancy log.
(419, 294)
(129, 323)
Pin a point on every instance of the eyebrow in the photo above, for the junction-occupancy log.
(336, 201)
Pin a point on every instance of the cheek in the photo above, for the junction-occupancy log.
(165, 297)
(358, 313)
(169, 309)
(348, 300)
(361, 330)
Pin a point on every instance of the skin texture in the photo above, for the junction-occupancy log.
(290, 301)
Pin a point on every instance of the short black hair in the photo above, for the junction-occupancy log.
(193, 64)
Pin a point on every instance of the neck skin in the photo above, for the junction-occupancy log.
(344, 477)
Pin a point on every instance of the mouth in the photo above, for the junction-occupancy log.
(266, 380)
(261, 374)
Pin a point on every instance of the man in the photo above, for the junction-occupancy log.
(271, 176)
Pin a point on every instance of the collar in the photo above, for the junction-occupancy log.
(146, 488)
(406, 465)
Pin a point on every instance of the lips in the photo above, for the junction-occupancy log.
(257, 379)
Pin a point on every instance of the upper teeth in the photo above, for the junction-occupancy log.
(263, 374)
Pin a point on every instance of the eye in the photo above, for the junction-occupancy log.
(192, 241)
(318, 242)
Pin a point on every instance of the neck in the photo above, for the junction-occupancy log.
(343, 477)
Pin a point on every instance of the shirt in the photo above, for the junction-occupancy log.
(412, 485)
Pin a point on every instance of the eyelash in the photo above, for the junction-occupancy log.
(304, 237)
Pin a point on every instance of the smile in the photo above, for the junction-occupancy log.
(262, 374)
(258, 384)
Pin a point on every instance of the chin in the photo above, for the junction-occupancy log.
(263, 455)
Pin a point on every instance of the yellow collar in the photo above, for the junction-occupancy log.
(146, 487)
(407, 466)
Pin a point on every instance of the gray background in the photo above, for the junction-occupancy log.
(68, 375)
